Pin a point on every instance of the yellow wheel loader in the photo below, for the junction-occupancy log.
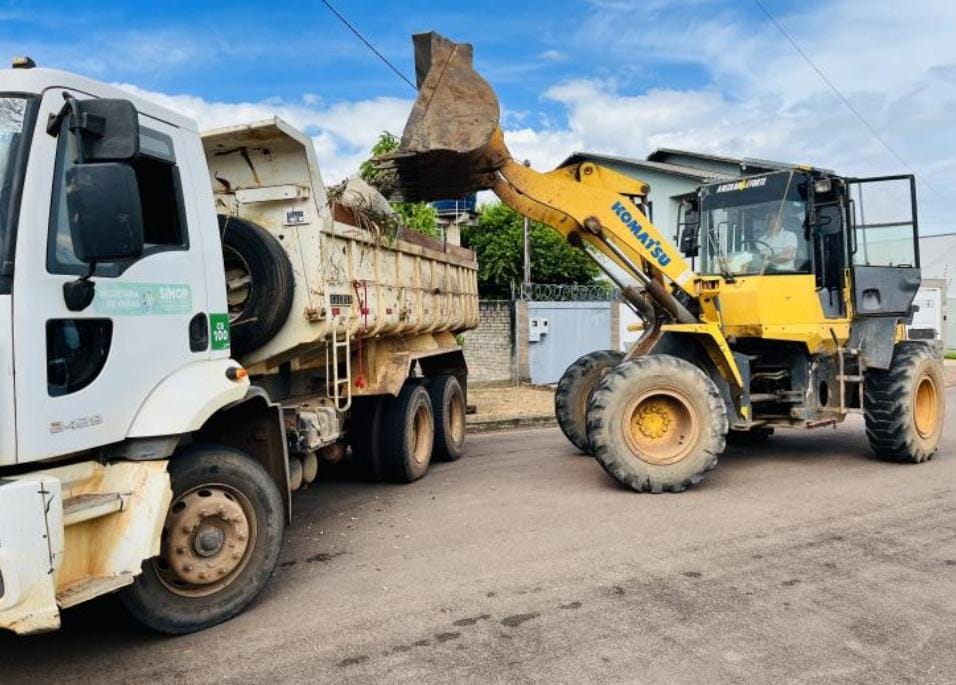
(781, 302)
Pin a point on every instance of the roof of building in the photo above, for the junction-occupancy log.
(664, 167)
(750, 164)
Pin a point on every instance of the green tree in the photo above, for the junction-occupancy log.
(418, 216)
(497, 242)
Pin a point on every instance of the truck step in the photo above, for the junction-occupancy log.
(80, 508)
(90, 587)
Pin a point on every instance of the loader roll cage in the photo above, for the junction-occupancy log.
(17, 116)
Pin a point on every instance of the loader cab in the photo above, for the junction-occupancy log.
(756, 226)
(812, 222)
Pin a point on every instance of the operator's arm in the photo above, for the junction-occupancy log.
(784, 247)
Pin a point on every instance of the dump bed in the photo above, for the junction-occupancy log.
(362, 281)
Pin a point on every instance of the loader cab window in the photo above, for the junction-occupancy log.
(755, 226)
(161, 195)
(884, 221)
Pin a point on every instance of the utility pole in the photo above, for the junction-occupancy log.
(527, 247)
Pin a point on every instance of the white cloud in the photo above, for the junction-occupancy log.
(895, 65)
(343, 132)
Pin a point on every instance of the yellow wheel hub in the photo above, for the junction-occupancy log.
(653, 420)
(661, 425)
(926, 406)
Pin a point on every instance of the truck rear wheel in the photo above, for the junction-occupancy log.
(904, 405)
(407, 434)
(657, 423)
(364, 431)
(219, 544)
(259, 283)
(448, 404)
(574, 390)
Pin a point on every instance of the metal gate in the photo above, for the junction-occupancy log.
(560, 332)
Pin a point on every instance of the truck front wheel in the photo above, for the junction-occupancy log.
(219, 545)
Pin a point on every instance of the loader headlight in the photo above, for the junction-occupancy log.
(821, 186)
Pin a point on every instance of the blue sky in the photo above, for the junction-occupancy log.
(615, 76)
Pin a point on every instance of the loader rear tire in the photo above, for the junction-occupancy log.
(574, 390)
(657, 423)
(220, 542)
(904, 405)
(259, 283)
(407, 434)
(448, 404)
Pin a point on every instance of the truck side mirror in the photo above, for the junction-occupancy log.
(106, 221)
(107, 130)
(106, 217)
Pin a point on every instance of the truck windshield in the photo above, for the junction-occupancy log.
(13, 118)
(756, 225)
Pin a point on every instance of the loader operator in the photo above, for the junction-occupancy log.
(778, 246)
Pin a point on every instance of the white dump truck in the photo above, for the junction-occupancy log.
(189, 327)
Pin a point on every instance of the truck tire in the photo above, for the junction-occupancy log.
(657, 423)
(364, 431)
(220, 542)
(574, 390)
(259, 283)
(407, 434)
(904, 405)
(448, 405)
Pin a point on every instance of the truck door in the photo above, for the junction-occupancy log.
(81, 376)
(884, 245)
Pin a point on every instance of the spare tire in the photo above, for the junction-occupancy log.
(259, 283)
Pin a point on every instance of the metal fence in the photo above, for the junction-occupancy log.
(557, 292)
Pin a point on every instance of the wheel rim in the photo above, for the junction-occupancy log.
(238, 282)
(660, 426)
(926, 406)
(208, 537)
(456, 418)
(422, 435)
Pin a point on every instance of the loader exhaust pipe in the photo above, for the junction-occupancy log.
(451, 145)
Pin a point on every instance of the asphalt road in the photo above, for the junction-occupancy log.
(804, 560)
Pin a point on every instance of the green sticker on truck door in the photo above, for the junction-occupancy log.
(142, 299)
(219, 331)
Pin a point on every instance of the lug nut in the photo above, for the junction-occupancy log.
(187, 568)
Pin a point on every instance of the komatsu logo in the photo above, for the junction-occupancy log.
(742, 185)
(651, 244)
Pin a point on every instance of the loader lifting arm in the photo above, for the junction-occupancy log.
(452, 145)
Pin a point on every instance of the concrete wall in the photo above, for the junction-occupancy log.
(489, 349)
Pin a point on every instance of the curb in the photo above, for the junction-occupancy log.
(513, 423)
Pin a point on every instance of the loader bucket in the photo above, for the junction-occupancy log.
(451, 145)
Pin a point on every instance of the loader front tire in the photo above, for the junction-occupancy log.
(657, 423)
(904, 405)
(219, 545)
(574, 390)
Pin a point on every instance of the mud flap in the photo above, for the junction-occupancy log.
(31, 543)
